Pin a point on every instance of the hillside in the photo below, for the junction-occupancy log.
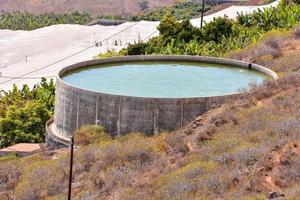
(247, 148)
(94, 7)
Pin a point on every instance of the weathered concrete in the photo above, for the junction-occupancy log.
(75, 107)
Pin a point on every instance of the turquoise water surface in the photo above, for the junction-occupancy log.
(164, 79)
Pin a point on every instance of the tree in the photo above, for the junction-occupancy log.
(218, 28)
(168, 28)
(24, 113)
(187, 32)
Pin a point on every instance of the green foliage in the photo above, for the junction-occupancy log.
(221, 35)
(179, 32)
(284, 16)
(24, 113)
(181, 11)
(137, 49)
(217, 29)
(168, 27)
(110, 53)
(26, 21)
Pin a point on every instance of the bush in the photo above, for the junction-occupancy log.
(91, 134)
(175, 143)
(168, 28)
(110, 53)
(41, 179)
(248, 156)
(10, 172)
(217, 29)
(137, 49)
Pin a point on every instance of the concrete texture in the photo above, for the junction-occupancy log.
(75, 107)
(52, 48)
(21, 149)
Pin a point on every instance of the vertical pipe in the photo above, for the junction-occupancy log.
(202, 13)
(71, 168)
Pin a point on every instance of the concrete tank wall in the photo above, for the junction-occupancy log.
(75, 107)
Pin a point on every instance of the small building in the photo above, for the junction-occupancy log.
(21, 150)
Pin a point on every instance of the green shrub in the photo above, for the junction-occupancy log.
(136, 49)
(217, 29)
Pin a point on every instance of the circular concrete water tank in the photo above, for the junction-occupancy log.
(76, 106)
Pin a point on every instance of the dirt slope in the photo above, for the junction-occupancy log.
(94, 7)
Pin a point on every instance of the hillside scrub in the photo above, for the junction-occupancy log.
(277, 50)
(238, 160)
(247, 148)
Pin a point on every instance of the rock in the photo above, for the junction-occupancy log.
(198, 119)
(273, 195)
(199, 124)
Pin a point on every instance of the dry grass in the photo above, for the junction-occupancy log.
(278, 50)
(242, 149)
(231, 163)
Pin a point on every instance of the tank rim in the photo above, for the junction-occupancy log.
(183, 58)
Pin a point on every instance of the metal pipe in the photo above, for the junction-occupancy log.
(71, 168)
(202, 13)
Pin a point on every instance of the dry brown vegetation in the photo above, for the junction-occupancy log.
(278, 50)
(94, 7)
(248, 148)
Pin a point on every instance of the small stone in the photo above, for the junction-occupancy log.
(273, 195)
(199, 124)
(198, 119)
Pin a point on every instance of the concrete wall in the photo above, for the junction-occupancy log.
(75, 107)
(106, 22)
